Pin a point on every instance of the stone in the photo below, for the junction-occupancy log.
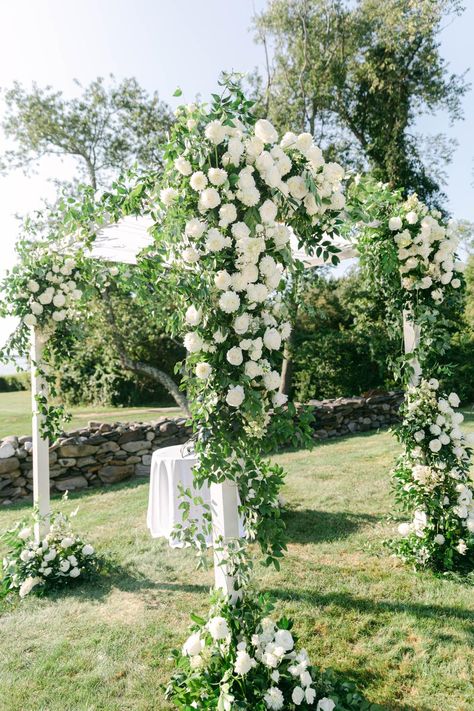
(169, 428)
(130, 436)
(77, 450)
(53, 457)
(9, 465)
(93, 425)
(146, 459)
(113, 474)
(67, 462)
(136, 446)
(21, 454)
(107, 447)
(105, 427)
(71, 483)
(25, 438)
(133, 460)
(150, 436)
(142, 470)
(28, 446)
(96, 439)
(7, 450)
(12, 439)
(86, 462)
(19, 480)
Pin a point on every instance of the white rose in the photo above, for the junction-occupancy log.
(59, 315)
(75, 572)
(217, 176)
(203, 370)
(215, 132)
(454, 400)
(265, 131)
(235, 396)
(193, 342)
(419, 436)
(198, 181)
(59, 300)
(219, 337)
(241, 324)
(195, 227)
(272, 380)
(439, 539)
(257, 293)
(209, 199)
(193, 645)
(240, 230)
(297, 187)
(433, 384)
(268, 211)
(235, 356)
(435, 445)
(456, 283)
(30, 320)
(338, 201)
(87, 549)
(252, 369)
(279, 399)
(297, 696)
(183, 166)
(304, 142)
(289, 139)
(222, 280)
(193, 316)
(229, 302)
(168, 196)
(272, 339)
(411, 217)
(284, 638)
(33, 286)
(324, 704)
(218, 628)
(395, 224)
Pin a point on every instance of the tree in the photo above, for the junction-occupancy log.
(107, 128)
(356, 75)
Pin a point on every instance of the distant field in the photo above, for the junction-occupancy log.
(15, 414)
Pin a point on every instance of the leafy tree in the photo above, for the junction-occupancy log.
(107, 128)
(357, 75)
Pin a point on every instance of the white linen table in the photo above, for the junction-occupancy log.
(169, 469)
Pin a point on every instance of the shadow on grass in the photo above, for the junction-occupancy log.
(309, 526)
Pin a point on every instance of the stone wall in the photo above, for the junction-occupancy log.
(103, 454)
(98, 455)
(346, 415)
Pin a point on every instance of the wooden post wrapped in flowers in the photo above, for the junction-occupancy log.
(229, 196)
(409, 254)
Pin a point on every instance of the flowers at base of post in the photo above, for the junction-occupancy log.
(240, 657)
(59, 558)
(432, 481)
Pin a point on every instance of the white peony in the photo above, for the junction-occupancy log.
(59, 300)
(289, 139)
(227, 214)
(218, 628)
(217, 176)
(215, 240)
(274, 699)
(215, 132)
(395, 224)
(235, 396)
(304, 142)
(193, 342)
(257, 293)
(241, 324)
(229, 302)
(193, 316)
(190, 255)
(193, 645)
(243, 662)
(222, 280)
(435, 445)
(265, 131)
(297, 186)
(30, 320)
(411, 217)
(252, 369)
(195, 227)
(183, 166)
(209, 199)
(240, 230)
(168, 196)
(272, 380)
(198, 181)
(203, 370)
(249, 197)
(234, 356)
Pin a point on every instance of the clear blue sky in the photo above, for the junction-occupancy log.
(165, 44)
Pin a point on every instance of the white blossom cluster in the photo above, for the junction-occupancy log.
(426, 249)
(59, 557)
(244, 192)
(51, 292)
(269, 653)
(437, 459)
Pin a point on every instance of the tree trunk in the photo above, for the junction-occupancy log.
(286, 370)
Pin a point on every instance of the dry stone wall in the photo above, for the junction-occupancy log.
(104, 454)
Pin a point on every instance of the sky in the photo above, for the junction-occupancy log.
(166, 44)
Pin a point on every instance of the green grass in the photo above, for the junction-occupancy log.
(406, 638)
(15, 414)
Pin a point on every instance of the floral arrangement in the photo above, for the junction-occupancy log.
(240, 658)
(59, 558)
(432, 481)
(231, 194)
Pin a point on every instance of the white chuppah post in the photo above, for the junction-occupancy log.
(41, 498)
(225, 528)
(411, 338)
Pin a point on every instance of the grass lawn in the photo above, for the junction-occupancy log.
(406, 638)
(15, 414)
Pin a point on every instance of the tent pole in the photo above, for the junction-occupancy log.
(225, 528)
(411, 338)
(41, 497)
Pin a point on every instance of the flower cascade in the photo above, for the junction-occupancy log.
(432, 481)
(61, 557)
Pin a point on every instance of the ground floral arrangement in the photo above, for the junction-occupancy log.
(57, 558)
(241, 658)
(432, 482)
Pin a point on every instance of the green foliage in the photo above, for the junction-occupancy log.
(14, 383)
(357, 75)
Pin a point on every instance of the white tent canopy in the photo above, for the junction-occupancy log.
(124, 240)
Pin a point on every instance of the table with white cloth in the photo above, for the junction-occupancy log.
(170, 468)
